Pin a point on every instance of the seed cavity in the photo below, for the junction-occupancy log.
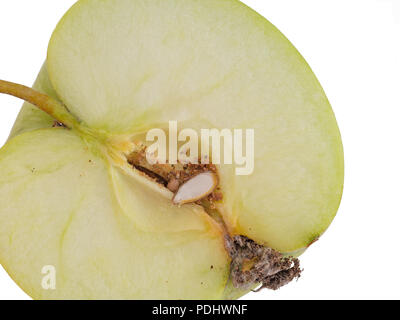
(175, 176)
(252, 263)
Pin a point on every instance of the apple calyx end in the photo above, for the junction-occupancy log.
(253, 263)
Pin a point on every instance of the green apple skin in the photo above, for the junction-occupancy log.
(225, 66)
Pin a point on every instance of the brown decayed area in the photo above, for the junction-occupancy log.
(253, 263)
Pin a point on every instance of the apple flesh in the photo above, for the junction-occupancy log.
(69, 198)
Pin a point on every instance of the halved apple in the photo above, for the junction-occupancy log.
(69, 197)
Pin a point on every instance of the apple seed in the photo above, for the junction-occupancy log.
(198, 187)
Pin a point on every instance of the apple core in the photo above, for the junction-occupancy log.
(78, 194)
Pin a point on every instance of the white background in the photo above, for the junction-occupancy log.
(354, 48)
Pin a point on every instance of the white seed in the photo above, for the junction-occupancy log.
(198, 187)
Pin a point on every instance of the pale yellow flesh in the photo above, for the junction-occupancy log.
(70, 214)
(210, 64)
(207, 64)
(31, 119)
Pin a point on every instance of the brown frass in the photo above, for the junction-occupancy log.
(253, 263)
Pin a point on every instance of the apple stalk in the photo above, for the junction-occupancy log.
(44, 102)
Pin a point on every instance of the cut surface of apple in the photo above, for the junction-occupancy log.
(104, 242)
(70, 198)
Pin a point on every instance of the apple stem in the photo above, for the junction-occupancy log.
(44, 102)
